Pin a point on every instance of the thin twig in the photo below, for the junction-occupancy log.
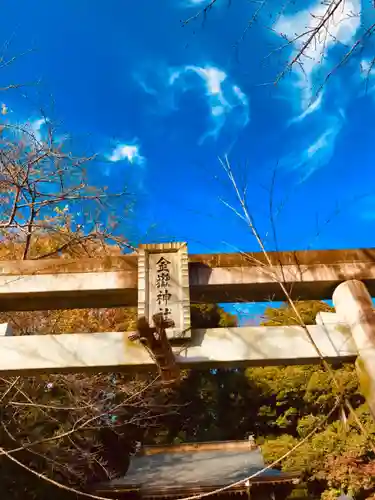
(251, 225)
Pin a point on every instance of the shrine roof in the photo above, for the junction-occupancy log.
(165, 471)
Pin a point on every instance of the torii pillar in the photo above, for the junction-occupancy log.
(354, 306)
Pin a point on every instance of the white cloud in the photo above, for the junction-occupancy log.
(367, 68)
(341, 27)
(241, 96)
(213, 78)
(193, 3)
(318, 151)
(30, 132)
(145, 87)
(223, 97)
(129, 152)
(34, 132)
(367, 75)
(324, 144)
(36, 128)
(196, 2)
(314, 106)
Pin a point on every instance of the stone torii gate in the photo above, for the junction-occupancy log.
(163, 280)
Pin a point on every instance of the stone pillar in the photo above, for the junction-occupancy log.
(354, 306)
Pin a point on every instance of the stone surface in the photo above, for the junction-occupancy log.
(5, 329)
(68, 291)
(216, 278)
(163, 285)
(353, 304)
(247, 346)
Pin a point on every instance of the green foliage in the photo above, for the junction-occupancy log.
(275, 448)
(307, 423)
(338, 457)
(281, 406)
(285, 315)
(211, 316)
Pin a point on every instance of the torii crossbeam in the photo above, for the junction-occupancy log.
(213, 278)
(162, 279)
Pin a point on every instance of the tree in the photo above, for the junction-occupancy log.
(308, 38)
(76, 429)
(67, 427)
(44, 191)
(211, 316)
(339, 456)
(319, 417)
(285, 315)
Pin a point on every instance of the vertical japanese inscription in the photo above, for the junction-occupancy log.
(163, 278)
(163, 285)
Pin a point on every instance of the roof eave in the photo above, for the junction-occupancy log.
(158, 492)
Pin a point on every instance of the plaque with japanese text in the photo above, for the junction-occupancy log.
(163, 285)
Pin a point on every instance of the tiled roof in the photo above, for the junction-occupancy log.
(197, 466)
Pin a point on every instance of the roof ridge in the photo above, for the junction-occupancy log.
(200, 446)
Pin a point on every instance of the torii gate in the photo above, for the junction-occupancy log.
(163, 278)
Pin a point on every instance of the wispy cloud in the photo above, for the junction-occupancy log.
(324, 144)
(367, 68)
(35, 128)
(314, 106)
(128, 152)
(192, 3)
(318, 151)
(31, 132)
(340, 28)
(223, 97)
(367, 75)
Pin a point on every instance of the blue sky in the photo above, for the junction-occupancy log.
(159, 102)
